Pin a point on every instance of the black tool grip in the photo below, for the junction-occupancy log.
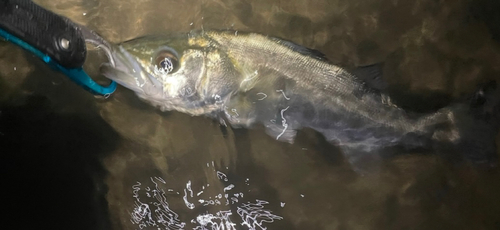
(50, 33)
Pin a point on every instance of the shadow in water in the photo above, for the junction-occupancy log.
(50, 165)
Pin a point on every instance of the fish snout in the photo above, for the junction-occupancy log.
(126, 70)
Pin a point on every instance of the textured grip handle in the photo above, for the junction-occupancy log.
(50, 33)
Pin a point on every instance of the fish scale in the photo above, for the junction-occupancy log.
(316, 73)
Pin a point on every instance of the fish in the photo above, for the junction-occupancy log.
(249, 79)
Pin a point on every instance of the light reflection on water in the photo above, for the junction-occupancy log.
(427, 46)
(153, 210)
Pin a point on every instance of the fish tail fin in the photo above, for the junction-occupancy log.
(477, 125)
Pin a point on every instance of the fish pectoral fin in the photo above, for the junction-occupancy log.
(281, 132)
(250, 79)
(372, 75)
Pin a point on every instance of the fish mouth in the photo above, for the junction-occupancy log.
(92, 37)
(122, 67)
(125, 70)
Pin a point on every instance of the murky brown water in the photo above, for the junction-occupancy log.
(71, 161)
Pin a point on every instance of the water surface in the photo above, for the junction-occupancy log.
(71, 161)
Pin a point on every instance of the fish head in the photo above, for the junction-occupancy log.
(170, 72)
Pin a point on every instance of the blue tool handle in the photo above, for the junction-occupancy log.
(77, 75)
(56, 36)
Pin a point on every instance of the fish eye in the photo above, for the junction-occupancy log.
(167, 61)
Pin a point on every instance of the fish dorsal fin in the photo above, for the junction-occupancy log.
(301, 49)
(372, 75)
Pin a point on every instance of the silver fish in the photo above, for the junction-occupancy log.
(248, 78)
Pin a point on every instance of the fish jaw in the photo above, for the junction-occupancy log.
(128, 72)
